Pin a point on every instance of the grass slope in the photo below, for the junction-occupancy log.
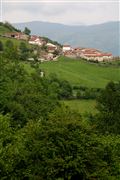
(15, 41)
(82, 106)
(79, 72)
(4, 30)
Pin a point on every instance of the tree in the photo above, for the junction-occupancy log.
(65, 90)
(1, 46)
(9, 44)
(24, 51)
(108, 118)
(62, 147)
(27, 31)
(11, 50)
(22, 95)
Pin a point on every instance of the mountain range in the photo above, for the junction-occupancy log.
(104, 37)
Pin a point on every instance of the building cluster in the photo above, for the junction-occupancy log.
(89, 54)
(36, 40)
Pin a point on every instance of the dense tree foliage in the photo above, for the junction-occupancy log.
(24, 96)
(58, 148)
(10, 50)
(1, 46)
(61, 87)
(108, 119)
(41, 139)
(24, 51)
(86, 92)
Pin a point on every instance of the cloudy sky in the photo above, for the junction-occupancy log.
(72, 12)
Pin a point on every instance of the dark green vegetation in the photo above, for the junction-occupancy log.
(27, 31)
(81, 72)
(108, 119)
(41, 139)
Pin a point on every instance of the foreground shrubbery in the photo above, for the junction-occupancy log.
(61, 147)
(108, 118)
(42, 139)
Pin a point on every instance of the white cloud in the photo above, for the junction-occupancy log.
(66, 13)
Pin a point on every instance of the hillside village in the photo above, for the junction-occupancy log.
(86, 53)
(48, 50)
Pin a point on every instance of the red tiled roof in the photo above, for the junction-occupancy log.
(33, 38)
(51, 47)
(97, 55)
(66, 46)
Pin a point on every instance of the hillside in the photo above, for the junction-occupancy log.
(102, 36)
(7, 27)
(76, 72)
(4, 29)
(80, 72)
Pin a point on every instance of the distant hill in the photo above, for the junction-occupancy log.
(103, 36)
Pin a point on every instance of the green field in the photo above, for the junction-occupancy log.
(15, 41)
(79, 72)
(82, 106)
(4, 30)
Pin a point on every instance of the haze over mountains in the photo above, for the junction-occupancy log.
(102, 36)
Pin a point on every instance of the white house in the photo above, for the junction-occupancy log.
(96, 55)
(51, 47)
(66, 48)
(36, 40)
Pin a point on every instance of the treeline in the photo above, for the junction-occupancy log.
(82, 92)
(41, 139)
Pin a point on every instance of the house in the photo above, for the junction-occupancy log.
(35, 40)
(44, 56)
(48, 57)
(77, 52)
(89, 54)
(66, 48)
(95, 55)
(70, 54)
(51, 47)
(17, 35)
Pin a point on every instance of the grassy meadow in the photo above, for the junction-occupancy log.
(4, 30)
(82, 106)
(79, 72)
(15, 41)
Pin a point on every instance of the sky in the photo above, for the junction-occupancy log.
(70, 12)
